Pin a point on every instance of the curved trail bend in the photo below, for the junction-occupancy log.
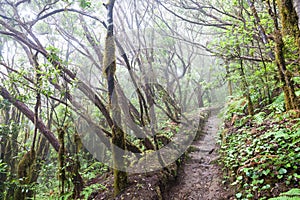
(201, 178)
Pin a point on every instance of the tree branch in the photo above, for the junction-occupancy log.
(30, 115)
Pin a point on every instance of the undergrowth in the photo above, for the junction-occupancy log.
(260, 154)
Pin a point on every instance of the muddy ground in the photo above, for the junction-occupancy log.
(195, 177)
(200, 178)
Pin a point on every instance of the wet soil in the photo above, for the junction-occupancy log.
(197, 177)
(200, 178)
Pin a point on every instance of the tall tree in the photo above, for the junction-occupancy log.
(118, 136)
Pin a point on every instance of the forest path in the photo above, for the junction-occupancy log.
(201, 178)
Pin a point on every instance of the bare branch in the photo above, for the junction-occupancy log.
(221, 25)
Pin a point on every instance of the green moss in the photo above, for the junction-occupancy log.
(289, 20)
(26, 166)
(120, 177)
(109, 65)
(61, 159)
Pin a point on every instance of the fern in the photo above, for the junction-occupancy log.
(278, 103)
(259, 118)
(292, 194)
(236, 106)
(286, 198)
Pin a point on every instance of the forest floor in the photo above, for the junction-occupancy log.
(200, 178)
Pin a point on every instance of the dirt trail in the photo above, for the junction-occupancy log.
(201, 177)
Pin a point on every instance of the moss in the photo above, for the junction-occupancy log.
(289, 20)
(120, 181)
(291, 102)
(75, 167)
(120, 177)
(61, 159)
(109, 56)
(118, 136)
(25, 167)
(287, 100)
(78, 143)
(109, 64)
(289, 17)
(250, 105)
(25, 170)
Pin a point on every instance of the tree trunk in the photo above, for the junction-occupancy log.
(289, 21)
(43, 129)
(230, 89)
(30, 115)
(118, 136)
(246, 90)
(290, 18)
(284, 74)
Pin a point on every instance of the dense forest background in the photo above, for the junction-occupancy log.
(91, 88)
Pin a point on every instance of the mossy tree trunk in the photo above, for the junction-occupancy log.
(289, 20)
(286, 9)
(288, 17)
(61, 159)
(25, 168)
(230, 88)
(9, 149)
(296, 5)
(118, 136)
(285, 77)
(27, 165)
(246, 89)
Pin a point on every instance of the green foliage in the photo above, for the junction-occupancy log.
(87, 191)
(85, 3)
(263, 146)
(3, 167)
(93, 170)
(82, 3)
(89, 170)
(278, 104)
(292, 194)
(259, 118)
(262, 154)
(3, 172)
(236, 106)
(53, 54)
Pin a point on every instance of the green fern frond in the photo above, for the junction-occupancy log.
(286, 198)
(292, 194)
